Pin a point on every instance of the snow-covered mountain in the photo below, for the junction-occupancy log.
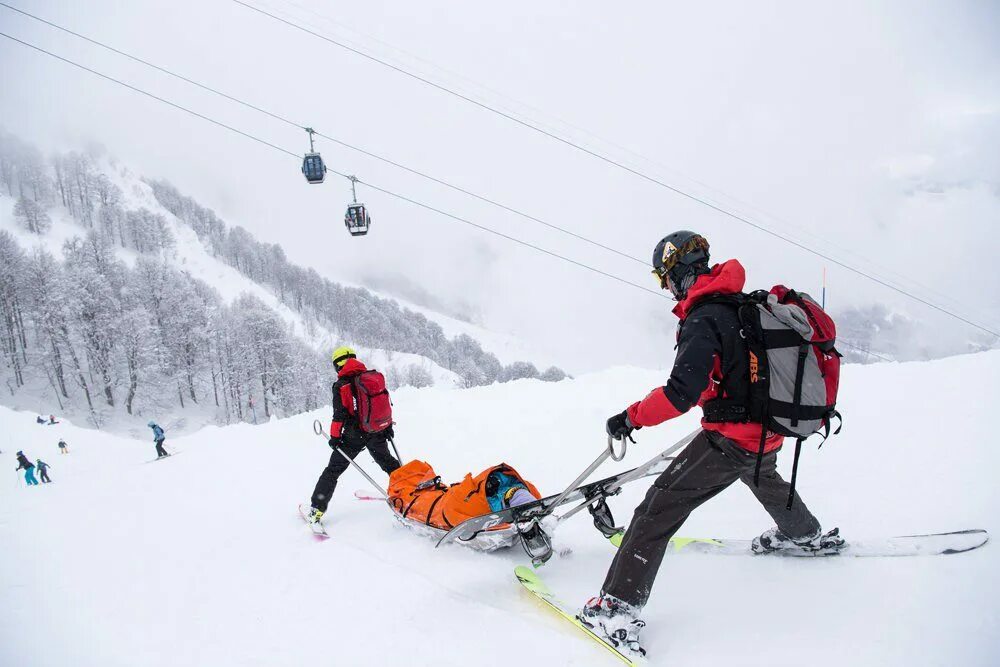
(160, 308)
(202, 560)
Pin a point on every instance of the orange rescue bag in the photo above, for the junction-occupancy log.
(417, 494)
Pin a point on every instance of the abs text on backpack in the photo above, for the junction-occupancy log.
(374, 408)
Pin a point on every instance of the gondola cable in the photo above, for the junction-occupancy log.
(341, 142)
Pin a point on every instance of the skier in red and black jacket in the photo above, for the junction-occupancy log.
(346, 433)
(712, 362)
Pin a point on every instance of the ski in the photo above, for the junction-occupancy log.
(534, 584)
(933, 544)
(160, 458)
(364, 495)
(317, 529)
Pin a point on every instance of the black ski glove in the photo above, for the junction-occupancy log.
(389, 433)
(335, 442)
(619, 427)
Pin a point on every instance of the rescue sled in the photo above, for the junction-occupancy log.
(422, 502)
(533, 521)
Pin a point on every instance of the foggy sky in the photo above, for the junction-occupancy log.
(869, 132)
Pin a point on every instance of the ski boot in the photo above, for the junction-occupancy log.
(616, 622)
(819, 542)
(313, 515)
(535, 541)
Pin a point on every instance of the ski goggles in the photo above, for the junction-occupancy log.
(662, 277)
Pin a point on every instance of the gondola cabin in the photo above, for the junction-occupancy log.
(357, 219)
(313, 168)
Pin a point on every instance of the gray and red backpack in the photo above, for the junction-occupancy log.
(794, 368)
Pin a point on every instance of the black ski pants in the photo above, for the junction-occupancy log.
(160, 451)
(45, 475)
(702, 470)
(327, 483)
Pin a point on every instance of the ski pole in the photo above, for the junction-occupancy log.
(393, 443)
(318, 428)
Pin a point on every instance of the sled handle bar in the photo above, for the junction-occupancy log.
(318, 430)
(636, 473)
(611, 448)
(609, 452)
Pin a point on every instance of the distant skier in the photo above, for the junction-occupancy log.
(28, 467)
(43, 470)
(52, 420)
(712, 362)
(359, 422)
(158, 438)
(63, 448)
(40, 420)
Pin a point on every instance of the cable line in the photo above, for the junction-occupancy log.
(151, 95)
(369, 184)
(341, 142)
(149, 64)
(510, 238)
(347, 176)
(611, 161)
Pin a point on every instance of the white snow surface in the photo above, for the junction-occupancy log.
(202, 560)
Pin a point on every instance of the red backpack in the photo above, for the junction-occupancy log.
(374, 405)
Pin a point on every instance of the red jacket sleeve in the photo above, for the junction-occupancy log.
(655, 409)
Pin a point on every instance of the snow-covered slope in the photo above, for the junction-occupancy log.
(201, 559)
(189, 254)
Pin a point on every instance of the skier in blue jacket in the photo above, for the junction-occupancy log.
(158, 438)
(43, 471)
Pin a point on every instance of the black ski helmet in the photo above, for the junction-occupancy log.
(678, 259)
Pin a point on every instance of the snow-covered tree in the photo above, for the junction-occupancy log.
(32, 215)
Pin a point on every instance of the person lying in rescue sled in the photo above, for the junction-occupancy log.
(362, 419)
(714, 368)
(417, 495)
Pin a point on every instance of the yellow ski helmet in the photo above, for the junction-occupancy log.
(342, 354)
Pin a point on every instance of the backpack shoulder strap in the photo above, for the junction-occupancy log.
(736, 300)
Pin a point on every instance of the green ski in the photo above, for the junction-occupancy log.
(534, 584)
